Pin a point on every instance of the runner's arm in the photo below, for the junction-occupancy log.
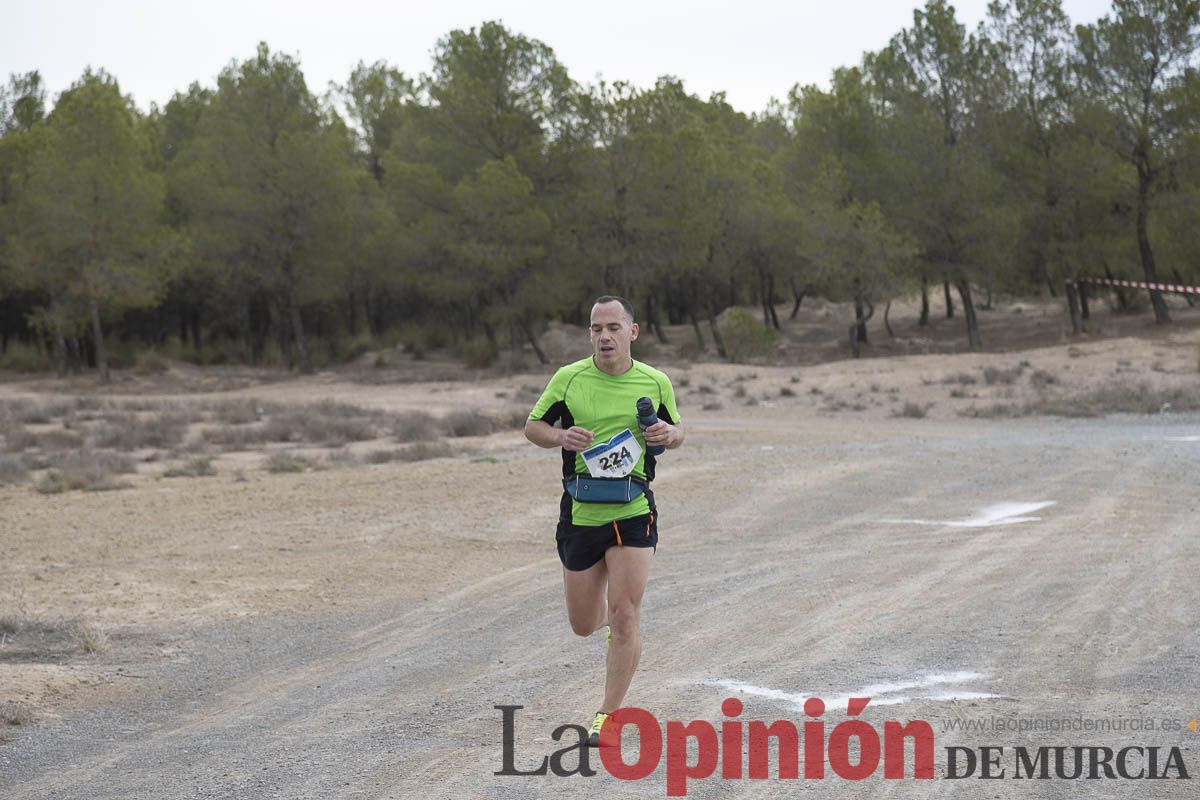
(545, 435)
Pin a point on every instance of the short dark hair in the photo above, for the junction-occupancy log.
(612, 298)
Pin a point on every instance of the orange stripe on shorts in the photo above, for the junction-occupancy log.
(618, 532)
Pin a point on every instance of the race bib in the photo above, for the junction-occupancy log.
(615, 458)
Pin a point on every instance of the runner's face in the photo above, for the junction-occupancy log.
(612, 334)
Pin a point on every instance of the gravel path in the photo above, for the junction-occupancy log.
(818, 558)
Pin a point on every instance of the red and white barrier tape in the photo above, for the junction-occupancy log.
(1162, 287)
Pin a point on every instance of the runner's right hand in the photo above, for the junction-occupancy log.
(577, 439)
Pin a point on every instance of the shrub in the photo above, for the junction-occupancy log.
(745, 337)
(421, 451)
(234, 412)
(59, 440)
(468, 423)
(52, 482)
(912, 410)
(1041, 379)
(17, 439)
(196, 468)
(89, 638)
(288, 462)
(477, 353)
(87, 470)
(19, 357)
(128, 431)
(12, 470)
(416, 426)
(994, 375)
(150, 362)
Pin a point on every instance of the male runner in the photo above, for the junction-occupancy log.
(605, 540)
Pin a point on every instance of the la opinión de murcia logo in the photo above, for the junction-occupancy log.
(743, 750)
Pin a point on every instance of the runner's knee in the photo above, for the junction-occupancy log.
(581, 626)
(623, 618)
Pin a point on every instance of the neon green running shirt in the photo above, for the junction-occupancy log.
(581, 394)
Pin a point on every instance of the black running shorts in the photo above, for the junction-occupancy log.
(582, 546)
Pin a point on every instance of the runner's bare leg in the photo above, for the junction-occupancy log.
(587, 608)
(628, 572)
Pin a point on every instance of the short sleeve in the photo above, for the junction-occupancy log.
(667, 409)
(550, 405)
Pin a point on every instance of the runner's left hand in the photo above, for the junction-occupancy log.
(660, 433)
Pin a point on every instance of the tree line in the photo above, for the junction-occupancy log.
(258, 220)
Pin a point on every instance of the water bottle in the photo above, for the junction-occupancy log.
(646, 418)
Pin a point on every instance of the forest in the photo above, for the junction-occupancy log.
(260, 221)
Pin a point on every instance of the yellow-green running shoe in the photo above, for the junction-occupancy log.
(597, 724)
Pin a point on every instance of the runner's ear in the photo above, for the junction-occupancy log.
(633, 331)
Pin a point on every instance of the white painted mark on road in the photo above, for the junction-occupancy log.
(940, 687)
(1183, 438)
(987, 517)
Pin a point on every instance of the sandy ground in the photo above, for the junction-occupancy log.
(829, 529)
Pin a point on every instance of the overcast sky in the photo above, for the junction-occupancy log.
(752, 50)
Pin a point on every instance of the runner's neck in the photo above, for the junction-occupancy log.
(628, 365)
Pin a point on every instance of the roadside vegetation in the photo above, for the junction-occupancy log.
(464, 210)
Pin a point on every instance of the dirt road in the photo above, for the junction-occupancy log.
(798, 559)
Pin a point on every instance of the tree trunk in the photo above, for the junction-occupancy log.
(860, 319)
(183, 325)
(887, 310)
(197, 341)
(974, 340)
(1073, 309)
(98, 338)
(74, 355)
(285, 337)
(949, 299)
(60, 349)
(1143, 235)
(771, 300)
(924, 320)
(515, 344)
(1122, 303)
(858, 331)
(798, 297)
(696, 327)
(1178, 279)
(1083, 300)
(537, 351)
(652, 319)
(298, 335)
(716, 333)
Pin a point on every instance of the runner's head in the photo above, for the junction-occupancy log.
(613, 331)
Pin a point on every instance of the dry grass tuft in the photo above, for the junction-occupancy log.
(86, 470)
(420, 451)
(1118, 398)
(15, 714)
(1040, 379)
(289, 462)
(89, 638)
(128, 431)
(415, 426)
(195, 468)
(12, 470)
(996, 375)
(469, 423)
(913, 410)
